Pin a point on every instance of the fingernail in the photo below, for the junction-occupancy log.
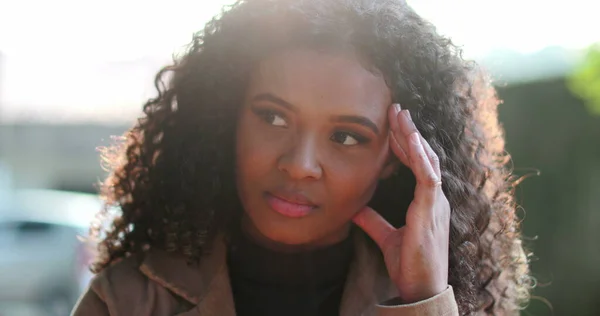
(415, 139)
(397, 108)
(407, 118)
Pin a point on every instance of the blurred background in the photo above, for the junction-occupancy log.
(75, 73)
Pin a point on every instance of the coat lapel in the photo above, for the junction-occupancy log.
(218, 299)
(207, 286)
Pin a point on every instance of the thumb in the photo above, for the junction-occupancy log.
(374, 225)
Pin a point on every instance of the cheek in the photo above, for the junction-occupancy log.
(353, 181)
(256, 151)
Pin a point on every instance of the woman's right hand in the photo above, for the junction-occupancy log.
(416, 255)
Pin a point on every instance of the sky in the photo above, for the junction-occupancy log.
(81, 60)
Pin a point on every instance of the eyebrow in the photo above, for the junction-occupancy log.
(274, 99)
(361, 120)
(354, 119)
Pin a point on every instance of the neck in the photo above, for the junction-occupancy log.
(298, 265)
(250, 231)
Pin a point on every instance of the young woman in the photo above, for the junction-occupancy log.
(313, 158)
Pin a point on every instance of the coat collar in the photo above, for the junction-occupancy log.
(207, 285)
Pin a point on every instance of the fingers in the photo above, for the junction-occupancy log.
(398, 150)
(408, 144)
(397, 143)
(433, 157)
(374, 225)
(420, 164)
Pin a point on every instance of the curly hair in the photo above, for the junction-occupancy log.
(172, 176)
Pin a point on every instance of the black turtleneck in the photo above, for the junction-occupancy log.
(266, 282)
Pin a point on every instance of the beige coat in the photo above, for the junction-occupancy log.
(160, 283)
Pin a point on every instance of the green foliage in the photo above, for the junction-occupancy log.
(585, 80)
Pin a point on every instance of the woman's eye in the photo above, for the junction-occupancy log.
(272, 117)
(347, 139)
(277, 120)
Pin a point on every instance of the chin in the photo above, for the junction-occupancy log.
(296, 235)
(284, 236)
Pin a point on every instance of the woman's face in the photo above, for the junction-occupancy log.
(312, 143)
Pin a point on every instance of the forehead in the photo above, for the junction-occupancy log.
(308, 78)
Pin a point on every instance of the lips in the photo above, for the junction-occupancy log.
(290, 204)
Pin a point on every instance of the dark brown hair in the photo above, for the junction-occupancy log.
(172, 178)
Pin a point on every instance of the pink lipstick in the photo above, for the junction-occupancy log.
(290, 204)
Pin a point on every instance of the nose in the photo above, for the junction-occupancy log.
(300, 161)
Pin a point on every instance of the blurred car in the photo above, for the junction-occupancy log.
(43, 261)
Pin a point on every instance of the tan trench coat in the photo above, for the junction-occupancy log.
(159, 283)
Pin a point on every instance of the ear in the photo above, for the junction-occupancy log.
(390, 167)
